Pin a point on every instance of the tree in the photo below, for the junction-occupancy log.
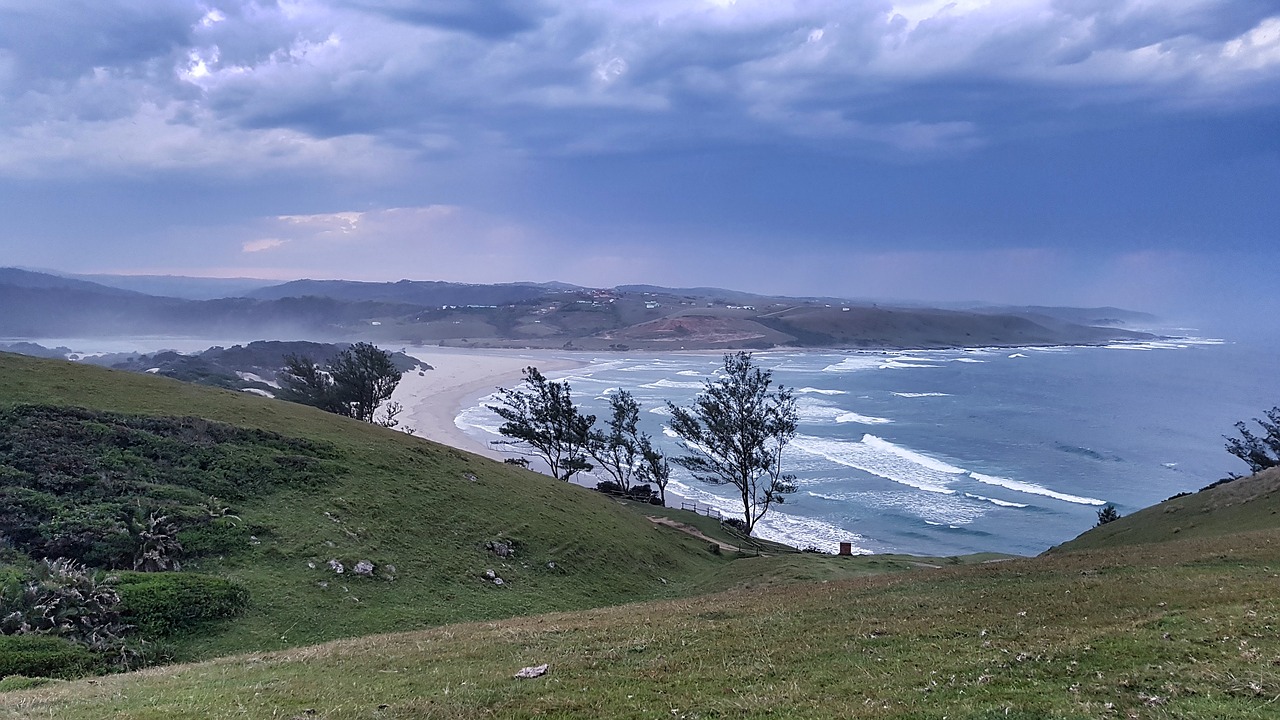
(1259, 453)
(735, 433)
(364, 376)
(617, 449)
(354, 383)
(541, 419)
(654, 467)
(1107, 514)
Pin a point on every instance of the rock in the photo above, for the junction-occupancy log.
(551, 565)
(533, 671)
(364, 567)
(490, 574)
(499, 548)
(336, 567)
(498, 581)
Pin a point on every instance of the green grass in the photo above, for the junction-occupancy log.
(394, 500)
(1175, 630)
(401, 502)
(1169, 613)
(1251, 503)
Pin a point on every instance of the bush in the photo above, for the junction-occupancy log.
(43, 656)
(1107, 514)
(736, 524)
(163, 603)
(66, 600)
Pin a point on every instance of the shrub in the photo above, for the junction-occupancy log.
(36, 656)
(66, 600)
(164, 603)
(1107, 514)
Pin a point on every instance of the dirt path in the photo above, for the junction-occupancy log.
(691, 530)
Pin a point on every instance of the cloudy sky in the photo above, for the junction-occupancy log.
(1057, 151)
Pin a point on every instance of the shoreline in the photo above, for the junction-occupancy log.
(432, 399)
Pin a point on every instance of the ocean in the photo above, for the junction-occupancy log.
(957, 451)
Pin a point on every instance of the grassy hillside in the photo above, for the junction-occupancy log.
(396, 501)
(1184, 629)
(1251, 503)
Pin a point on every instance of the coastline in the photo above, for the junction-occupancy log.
(433, 398)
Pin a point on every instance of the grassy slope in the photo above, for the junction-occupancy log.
(403, 501)
(1185, 629)
(1250, 503)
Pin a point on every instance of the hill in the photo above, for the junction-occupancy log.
(1250, 503)
(523, 315)
(1179, 629)
(397, 501)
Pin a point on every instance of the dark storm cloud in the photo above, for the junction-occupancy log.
(870, 129)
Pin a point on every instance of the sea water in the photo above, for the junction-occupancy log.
(956, 451)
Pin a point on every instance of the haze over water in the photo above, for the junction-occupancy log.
(957, 451)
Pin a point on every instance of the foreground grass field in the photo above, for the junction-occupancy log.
(1186, 629)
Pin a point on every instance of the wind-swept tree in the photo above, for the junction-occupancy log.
(540, 419)
(654, 468)
(735, 432)
(1262, 452)
(354, 383)
(616, 449)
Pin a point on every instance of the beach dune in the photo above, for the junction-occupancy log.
(433, 398)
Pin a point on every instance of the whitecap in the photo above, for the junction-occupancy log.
(1033, 489)
(690, 373)
(852, 417)
(819, 391)
(884, 459)
(921, 394)
(665, 383)
(1017, 355)
(996, 501)
(660, 410)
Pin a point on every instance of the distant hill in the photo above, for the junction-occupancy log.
(31, 280)
(411, 292)
(532, 315)
(180, 286)
(1102, 316)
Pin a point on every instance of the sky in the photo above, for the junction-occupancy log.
(1085, 152)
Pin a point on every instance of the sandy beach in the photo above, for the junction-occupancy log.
(433, 398)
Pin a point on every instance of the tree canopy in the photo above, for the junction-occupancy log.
(354, 383)
(735, 432)
(540, 418)
(1258, 452)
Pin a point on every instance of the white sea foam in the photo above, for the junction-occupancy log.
(666, 430)
(819, 391)
(690, 373)
(777, 526)
(665, 383)
(852, 417)
(884, 459)
(1033, 489)
(900, 365)
(995, 501)
(660, 410)
(921, 394)
(1017, 355)
(968, 360)
(854, 364)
